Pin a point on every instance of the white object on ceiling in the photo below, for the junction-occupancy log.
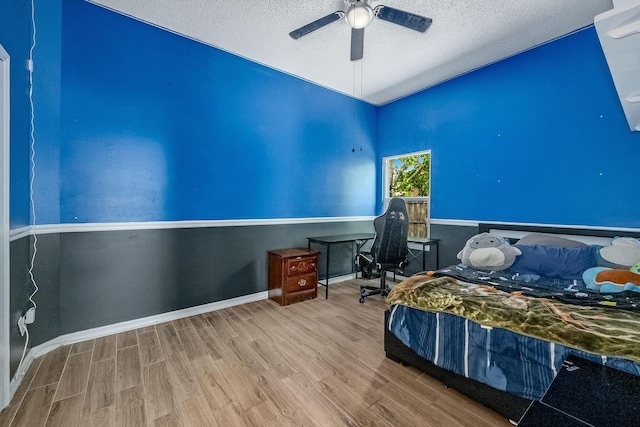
(619, 34)
(465, 35)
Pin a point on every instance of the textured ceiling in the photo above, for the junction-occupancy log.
(464, 35)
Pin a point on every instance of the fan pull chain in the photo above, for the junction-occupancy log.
(353, 115)
(361, 76)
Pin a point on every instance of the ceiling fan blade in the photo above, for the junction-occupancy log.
(318, 23)
(400, 17)
(357, 43)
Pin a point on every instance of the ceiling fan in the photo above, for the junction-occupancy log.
(360, 14)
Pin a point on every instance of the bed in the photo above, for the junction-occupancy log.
(500, 337)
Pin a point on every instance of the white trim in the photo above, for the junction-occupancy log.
(457, 222)
(5, 391)
(334, 280)
(21, 232)
(129, 325)
(475, 223)
(162, 225)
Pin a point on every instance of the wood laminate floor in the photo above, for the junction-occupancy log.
(315, 363)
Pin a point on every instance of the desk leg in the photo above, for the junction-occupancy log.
(359, 245)
(353, 264)
(326, 290)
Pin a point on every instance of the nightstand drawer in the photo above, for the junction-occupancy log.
(302, 282)
(294, 297)
(301, 265)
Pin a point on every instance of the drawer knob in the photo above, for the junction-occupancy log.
(302, 282)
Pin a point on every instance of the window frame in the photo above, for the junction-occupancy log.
(386, 196)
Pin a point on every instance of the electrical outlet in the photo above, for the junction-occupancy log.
(22, 326)
(30, 316)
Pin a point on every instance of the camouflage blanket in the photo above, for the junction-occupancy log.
(567, 291)
(598, 330)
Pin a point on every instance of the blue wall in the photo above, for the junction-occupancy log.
(165, 128)
(47, 98)
(539, 137)
(158, 127)
(15, 37)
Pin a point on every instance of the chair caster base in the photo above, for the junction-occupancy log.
(363, 295)
(366, 292)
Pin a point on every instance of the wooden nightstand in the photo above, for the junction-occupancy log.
(293, 275)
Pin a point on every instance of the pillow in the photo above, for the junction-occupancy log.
(549, 240)
(555, 261)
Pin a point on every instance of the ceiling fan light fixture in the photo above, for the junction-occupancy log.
(359, 15)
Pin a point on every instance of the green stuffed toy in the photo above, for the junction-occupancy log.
(489, 252)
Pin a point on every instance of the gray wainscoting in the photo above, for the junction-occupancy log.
(96, 278)
(90, 279)
(47, 275)
(452, 240)
(19, 293)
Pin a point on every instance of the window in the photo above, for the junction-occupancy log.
(409, 177)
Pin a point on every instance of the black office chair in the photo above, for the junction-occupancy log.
(389, 248)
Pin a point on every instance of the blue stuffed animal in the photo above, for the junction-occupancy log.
(609, 280)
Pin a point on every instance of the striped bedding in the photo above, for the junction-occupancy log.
(477, 341)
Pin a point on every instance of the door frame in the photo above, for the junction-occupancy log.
(4, 229)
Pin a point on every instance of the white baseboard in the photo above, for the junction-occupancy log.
(129, 325)
(337, 279)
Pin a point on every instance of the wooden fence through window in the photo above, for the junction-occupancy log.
(418, 218)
